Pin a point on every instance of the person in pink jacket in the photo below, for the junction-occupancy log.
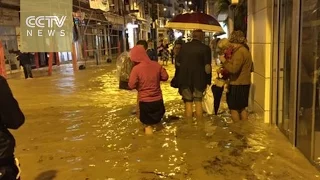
(146, 76)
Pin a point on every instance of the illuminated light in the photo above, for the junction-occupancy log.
(186, 2)
(165, 9)
(234, 1)
(190, 2)
(131, 28)
(173, 14)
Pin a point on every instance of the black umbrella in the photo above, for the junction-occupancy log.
(217, 94)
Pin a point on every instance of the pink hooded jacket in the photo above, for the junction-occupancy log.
(146, 75)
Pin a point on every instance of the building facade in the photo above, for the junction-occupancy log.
(9, 32)
(102, 33)
(284, 37)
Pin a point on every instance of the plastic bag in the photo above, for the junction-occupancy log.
(124, 66)
(207, 102)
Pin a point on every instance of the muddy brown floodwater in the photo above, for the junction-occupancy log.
(80, 127)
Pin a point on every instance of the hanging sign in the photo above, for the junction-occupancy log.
(100, 4)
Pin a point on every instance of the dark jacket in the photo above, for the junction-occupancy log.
(193, 58)
(152, 54)
(25, 58)
(11, 117)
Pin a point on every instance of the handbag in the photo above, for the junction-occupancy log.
(174, 82)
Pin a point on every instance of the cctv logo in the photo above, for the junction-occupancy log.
(45, 22)
(33, 21)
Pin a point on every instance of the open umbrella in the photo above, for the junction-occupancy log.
(193, 21)
(218, 88)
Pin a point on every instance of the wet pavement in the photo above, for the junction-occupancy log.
(79, 126)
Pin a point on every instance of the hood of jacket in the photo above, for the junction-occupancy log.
(138, 54)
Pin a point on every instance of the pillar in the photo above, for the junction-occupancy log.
(259, 40)
(74, 57)
(2, 62)
(57, 59)
(36, 59)
(105, 42)
(51, 56)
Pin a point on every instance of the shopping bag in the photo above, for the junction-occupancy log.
(207, 102)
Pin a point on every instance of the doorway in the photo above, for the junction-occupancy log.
(285, 65)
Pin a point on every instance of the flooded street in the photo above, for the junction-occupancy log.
(80, 127)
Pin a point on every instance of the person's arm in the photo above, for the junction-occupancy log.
(208, 65)
(10, 113)
(163, 74)
(234, 65)
(133, 79)
(180, 55)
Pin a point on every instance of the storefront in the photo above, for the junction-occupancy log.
(9, 36)
(295, 74)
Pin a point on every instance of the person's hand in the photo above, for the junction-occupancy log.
(222, 58)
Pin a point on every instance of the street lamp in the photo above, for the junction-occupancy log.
(165, 9)
(190, 2)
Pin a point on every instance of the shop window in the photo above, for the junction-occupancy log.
(308, 125)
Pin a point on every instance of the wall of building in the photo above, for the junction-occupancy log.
(259, 40)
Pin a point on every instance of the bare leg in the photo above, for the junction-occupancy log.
(148, 130)
(199, 110)
(244, 115)
(235, 115)
(188, 110)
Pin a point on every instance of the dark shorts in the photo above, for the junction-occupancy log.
(151, 113)
(190, 96)
(238, 97)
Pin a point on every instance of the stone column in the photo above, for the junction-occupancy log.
(259, 40)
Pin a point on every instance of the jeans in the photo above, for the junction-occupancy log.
(27, 71)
